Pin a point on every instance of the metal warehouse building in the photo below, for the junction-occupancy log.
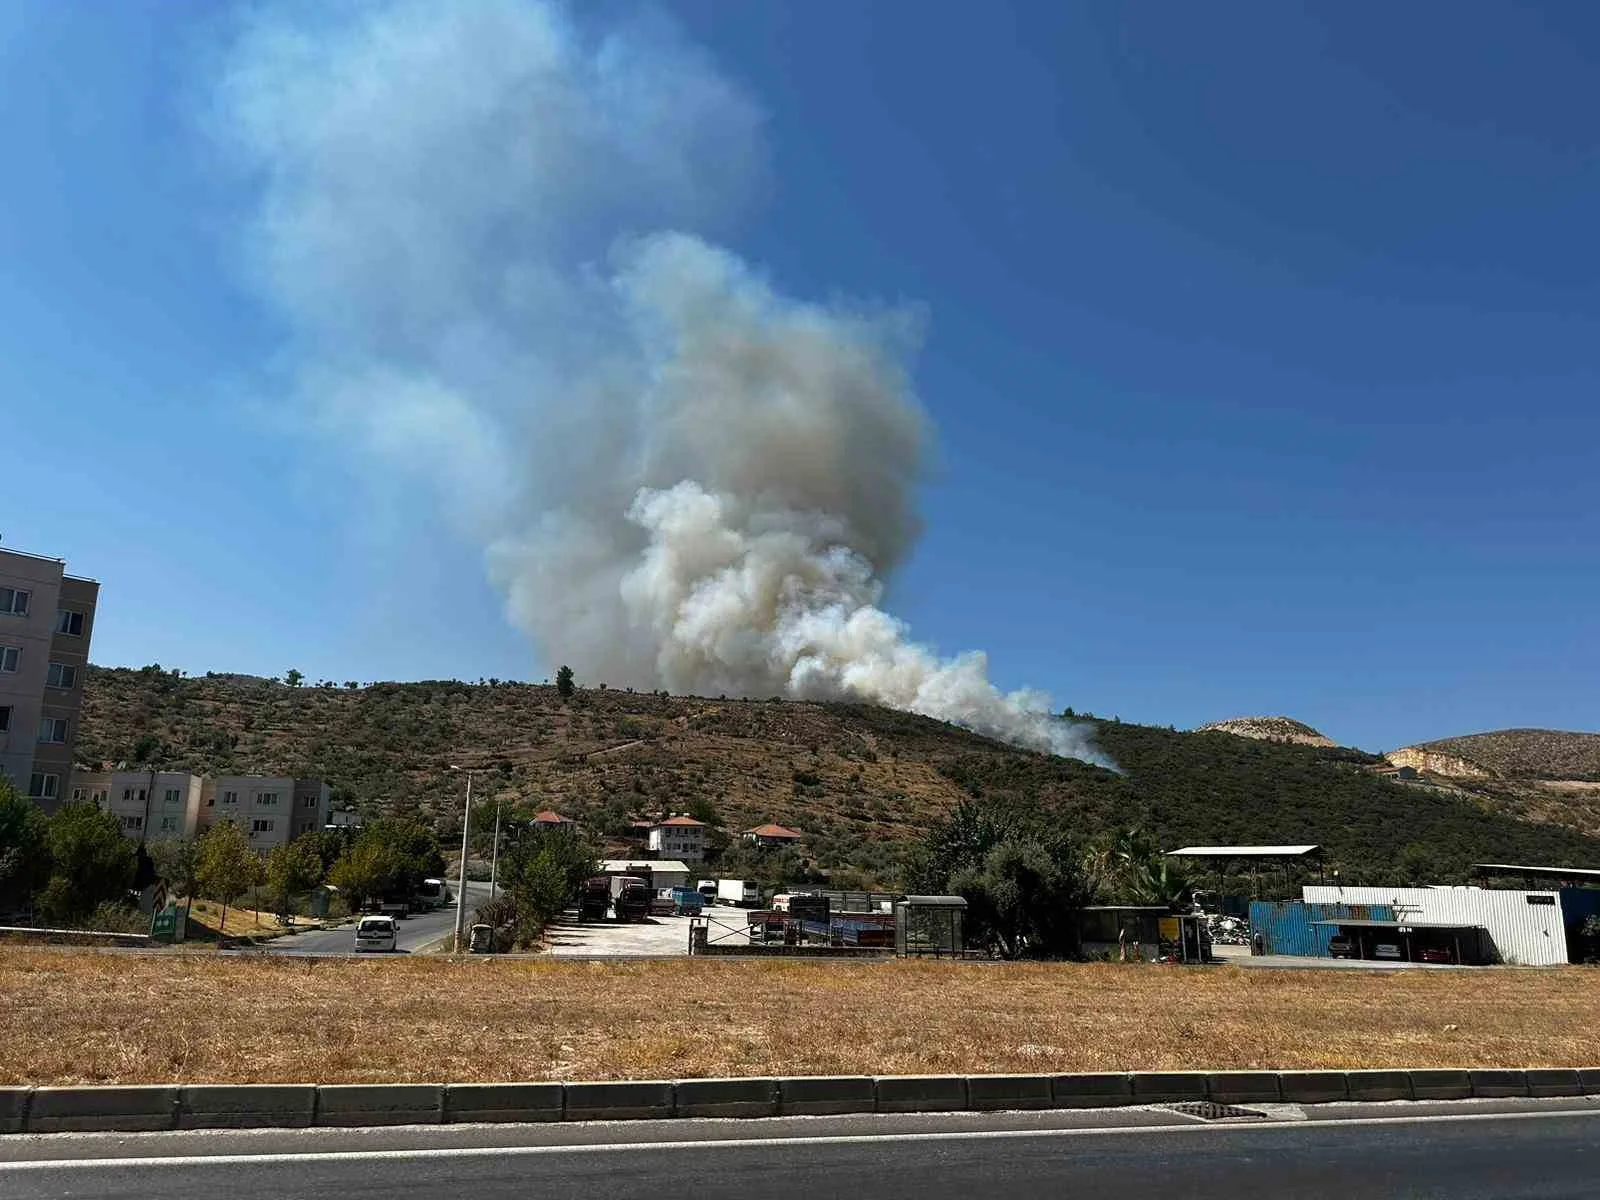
(1526, 928)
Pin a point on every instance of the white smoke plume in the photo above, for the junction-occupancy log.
(486, 229)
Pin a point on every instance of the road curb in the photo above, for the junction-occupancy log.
(214, 1106)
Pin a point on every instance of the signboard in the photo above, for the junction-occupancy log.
(164, 924)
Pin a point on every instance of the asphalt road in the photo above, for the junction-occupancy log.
(415, 932)
(1504, 1157)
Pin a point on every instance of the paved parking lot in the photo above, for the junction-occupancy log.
(654, 937)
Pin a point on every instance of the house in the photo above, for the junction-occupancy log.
(679, 837)
(549, 819)
(773, 835)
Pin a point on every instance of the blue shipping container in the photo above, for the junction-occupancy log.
(1286, 926)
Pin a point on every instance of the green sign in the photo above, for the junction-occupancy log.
(164, 924)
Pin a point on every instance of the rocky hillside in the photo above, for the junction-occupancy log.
(1270, 729)
(862, 782)
(1544, 775)
(1509, 754)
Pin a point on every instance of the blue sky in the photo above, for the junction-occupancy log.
(1261, 352)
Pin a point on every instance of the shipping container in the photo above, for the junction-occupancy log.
(1289, 926)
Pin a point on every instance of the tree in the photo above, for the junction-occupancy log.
(293, 677)
(564, 684)
(177, 860)
(91, 862)
(540, 871)
(1129, 868)
(1020, 876)
(364, 872)
(24, 849)
(292, 868)
(228, 867)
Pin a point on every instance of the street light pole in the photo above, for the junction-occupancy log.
(461, 883)
(494, 858)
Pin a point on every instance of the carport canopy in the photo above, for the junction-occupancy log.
(1397, 926)
(1262, 853)
(1560, 874)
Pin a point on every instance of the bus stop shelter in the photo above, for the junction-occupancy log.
(930, 926)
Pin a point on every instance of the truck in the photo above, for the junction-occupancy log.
(708, 890)
(633, 897)
(594, 897)
(741, 893)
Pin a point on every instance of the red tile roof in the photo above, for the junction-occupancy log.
(548, 817)
(776, 831)
(682, 821)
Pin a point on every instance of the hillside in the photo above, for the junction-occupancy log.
(862, 782)
(1270, 729)
(1545, 775)
(1521, 753)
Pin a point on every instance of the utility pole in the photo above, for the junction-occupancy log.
(461, 883)
(494, 858)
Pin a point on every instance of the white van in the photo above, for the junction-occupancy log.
(375, 933)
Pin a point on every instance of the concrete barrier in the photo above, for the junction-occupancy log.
(1168, 1087)
(1545, 1082)
(1589, 1080)
(825, 1095)
(489, 1102)
(1441, 1085)
(14, 1109)
(1379, 1085)
(1100, 1089)
(380, 1104)
(102, 1109)
(247, 1105)
(1499, 1084)
(621, 1100)
(1313, 1087)
(989, 1093)
(920, 1093)
(1244, 1087)
(727, 1098)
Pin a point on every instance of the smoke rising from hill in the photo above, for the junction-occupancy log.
(489, 234)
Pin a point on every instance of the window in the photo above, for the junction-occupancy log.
(266, 799)
(5, 718)
(13, 602)
(169, 824)
(211, 800)
(132, 824)
(43, 787)
(79, 794)
(53, 730)
(308, 802)
(70, 622)
(100, 796)
(261, 825)
(230, 797)
(171, 796)
(9, 657)
(133, 795)
(61, 675)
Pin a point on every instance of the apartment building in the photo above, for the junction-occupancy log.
(152, 805)
(272, 810)
(46, 621)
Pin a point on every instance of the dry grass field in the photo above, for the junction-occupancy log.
(83, 1017)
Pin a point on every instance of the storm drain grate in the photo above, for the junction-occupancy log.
(1210, 1110)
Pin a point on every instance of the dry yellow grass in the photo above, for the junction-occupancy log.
(76, 1017)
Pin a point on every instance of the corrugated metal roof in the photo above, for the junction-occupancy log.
(1243, 851)
(614, 866)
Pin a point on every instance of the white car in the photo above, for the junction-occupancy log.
(375, 934)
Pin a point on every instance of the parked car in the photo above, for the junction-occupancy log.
(1438, 954)
(376, 934)
(1342, 947)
